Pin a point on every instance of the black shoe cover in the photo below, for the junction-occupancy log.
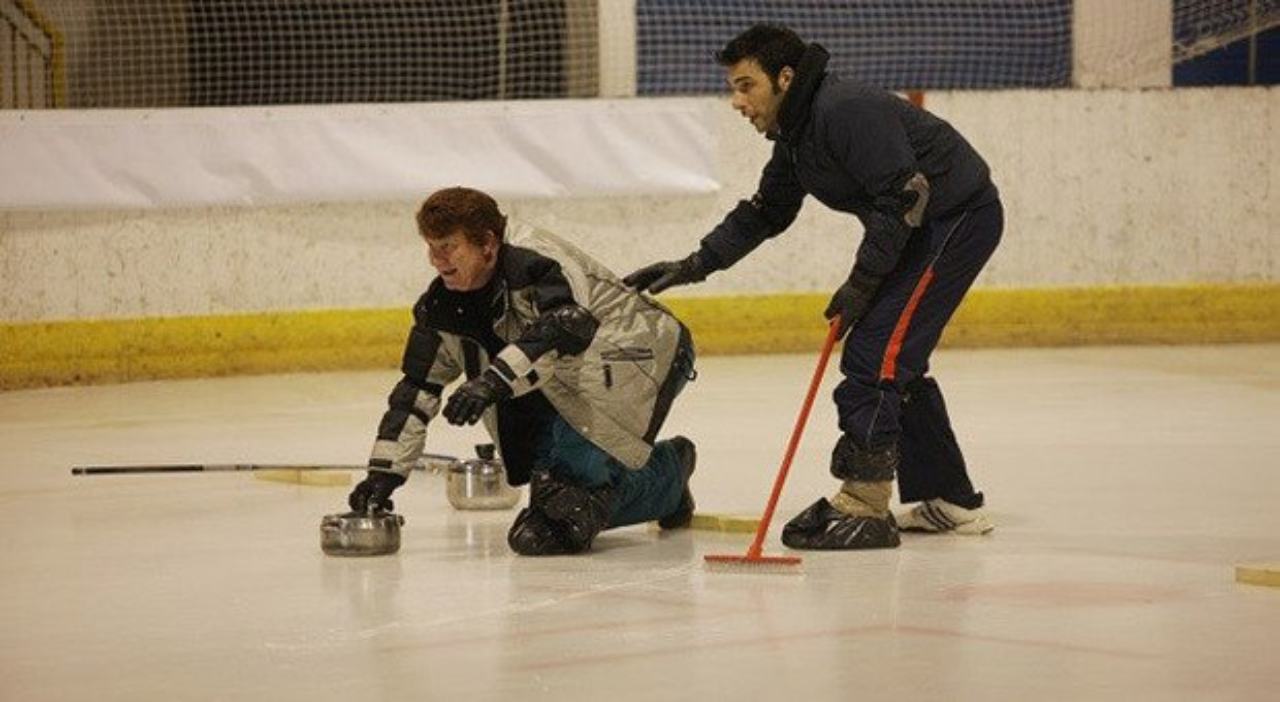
(823, 527)
(683, 514)
(532, 534)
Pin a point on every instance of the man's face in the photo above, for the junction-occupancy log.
(755, 96)
(463, 265)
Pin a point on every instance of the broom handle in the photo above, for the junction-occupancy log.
(227, 467)
(758, 545)
(201, 468)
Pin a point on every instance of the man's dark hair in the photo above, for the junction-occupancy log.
(772, 46)
(451, 209)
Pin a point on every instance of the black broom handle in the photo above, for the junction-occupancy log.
(231, 467)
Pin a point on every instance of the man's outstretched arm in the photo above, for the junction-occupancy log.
(770, 211)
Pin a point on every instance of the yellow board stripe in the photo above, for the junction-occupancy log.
(1184, 314)
(75, 352)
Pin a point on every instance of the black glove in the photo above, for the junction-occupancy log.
(375, 491)
(657, 277)
(852, 300)
(468, 402)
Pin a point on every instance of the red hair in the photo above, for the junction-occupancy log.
(452, 209)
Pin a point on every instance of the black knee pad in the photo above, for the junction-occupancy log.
(848, 462)
(579, 512)
(533, 534)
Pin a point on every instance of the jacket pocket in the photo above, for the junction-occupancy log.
(627, 353)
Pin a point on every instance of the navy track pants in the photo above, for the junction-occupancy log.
(886, 396)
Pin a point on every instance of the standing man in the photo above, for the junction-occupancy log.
(572, 372)
(931, 217)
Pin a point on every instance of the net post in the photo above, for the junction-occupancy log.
(617, 48)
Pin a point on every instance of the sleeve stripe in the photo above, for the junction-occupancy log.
(516, 360)
(504, 370)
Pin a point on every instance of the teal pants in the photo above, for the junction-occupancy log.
(651, 492)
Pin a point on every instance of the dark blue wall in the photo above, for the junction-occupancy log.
(922, 44)
(1230, 64)
(905, 45)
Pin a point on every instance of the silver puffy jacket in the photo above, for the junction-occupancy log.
(615, 393)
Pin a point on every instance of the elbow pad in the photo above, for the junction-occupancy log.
(407, 400)
(908, 203)
(569, 329)
(890, 224)
(419, 353)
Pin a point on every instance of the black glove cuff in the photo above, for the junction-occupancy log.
(493, 377)
(498, 371)
(698, 265)
(395, 480)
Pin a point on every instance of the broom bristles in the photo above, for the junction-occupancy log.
(754, 564)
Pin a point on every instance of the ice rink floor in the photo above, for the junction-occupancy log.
(1125, 482)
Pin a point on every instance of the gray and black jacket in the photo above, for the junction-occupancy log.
(611, 377)
(857, 149)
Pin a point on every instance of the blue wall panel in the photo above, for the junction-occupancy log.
(897, 44)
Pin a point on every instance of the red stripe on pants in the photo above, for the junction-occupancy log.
(889, 367)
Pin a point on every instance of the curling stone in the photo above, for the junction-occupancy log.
(480, 483)
(375, 533)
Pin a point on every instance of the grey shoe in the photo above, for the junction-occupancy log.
(683, 513)
(938, 516)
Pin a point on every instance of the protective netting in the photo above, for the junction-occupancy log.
(135, 53)
(892, 43)
(1201, 26)
(159, 53)
(937, 44)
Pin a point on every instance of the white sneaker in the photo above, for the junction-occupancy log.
(939, 516)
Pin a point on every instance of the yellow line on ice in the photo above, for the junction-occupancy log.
(1259, 574)
(725, 522)
(293, 476)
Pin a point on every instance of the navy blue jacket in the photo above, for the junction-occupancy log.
(855, 148)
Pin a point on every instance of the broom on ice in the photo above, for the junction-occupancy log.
(754, 561)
